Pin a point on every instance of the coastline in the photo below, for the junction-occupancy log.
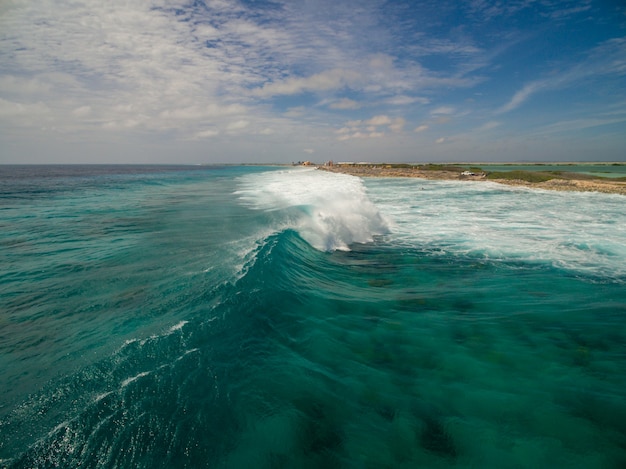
(569, 182)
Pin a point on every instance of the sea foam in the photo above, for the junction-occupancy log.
(579, 232)
(329, 211)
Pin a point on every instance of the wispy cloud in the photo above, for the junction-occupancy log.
(27, 111)
(378, 120)
(161, 65)
(579, 124)
(522, 95)
(397, 125)
(489, 125)
(403, 100)
(206, 134)
(345, 103)
(443, 110)
(491, 10)
(324, 81)
(371, 128)
(237, 72)
(609, 58)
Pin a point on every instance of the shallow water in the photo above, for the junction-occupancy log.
(269, 317)
(607, 170)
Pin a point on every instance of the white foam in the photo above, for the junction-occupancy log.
(330, 211)
(177, 327)
(99, 397)
(584, 232)
(127, 381)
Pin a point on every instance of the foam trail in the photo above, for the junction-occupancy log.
(132, 379)
(330, 211)
(582, 232)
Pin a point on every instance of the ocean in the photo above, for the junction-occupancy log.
(266, 317)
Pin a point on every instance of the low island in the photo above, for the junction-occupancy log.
(571, 177)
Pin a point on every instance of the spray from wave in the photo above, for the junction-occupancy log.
(329, 211)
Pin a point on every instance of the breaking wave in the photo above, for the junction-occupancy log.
(329, 211)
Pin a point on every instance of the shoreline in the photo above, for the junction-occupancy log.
(572, 182)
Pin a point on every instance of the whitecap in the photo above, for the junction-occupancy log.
(177, 327)
(127, 381)
(330, 211)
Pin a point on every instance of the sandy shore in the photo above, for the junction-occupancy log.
(570, 184)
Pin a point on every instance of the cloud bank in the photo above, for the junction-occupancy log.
(221, 80)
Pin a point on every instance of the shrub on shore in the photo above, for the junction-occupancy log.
(529, 176)
(440, 167)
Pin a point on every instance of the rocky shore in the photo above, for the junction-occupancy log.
(572, 181)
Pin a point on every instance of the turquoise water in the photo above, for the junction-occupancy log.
(272, 317)
(607, 170)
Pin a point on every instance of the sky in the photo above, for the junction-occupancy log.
(245, 81)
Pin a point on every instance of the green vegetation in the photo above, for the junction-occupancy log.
(440, 167)
(530, 176)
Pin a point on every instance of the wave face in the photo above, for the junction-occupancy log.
(259, 317)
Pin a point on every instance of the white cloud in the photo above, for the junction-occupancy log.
(403, 100)
(442, 110)
(295, 111)
(581, 7)
(237, 125)
(328, 80)
(345, 103)
(205, 111)
(397, 125)
(607, 59)
(370, 128)
(521, 96)
(360, 135)
(82, 111)
(175, 70)
(489, 125)
(122, 124)
(170, 66)
(378, 120)
(381, 61)
(207, 133)
(29, 111)
(15, 85)
(580, 124)
(354, 123)
(440, 140)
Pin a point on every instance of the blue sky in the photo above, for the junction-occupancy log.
(209, 81)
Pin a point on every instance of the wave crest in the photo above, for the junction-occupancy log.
(330, 211)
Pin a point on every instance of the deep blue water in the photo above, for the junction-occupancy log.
(235, 317)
